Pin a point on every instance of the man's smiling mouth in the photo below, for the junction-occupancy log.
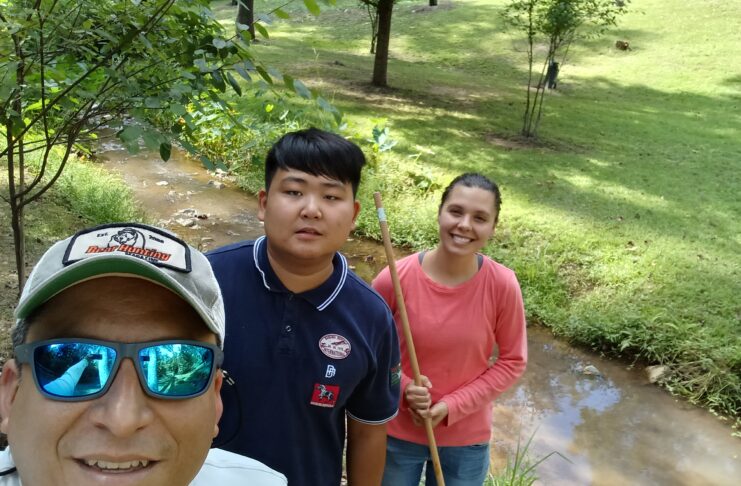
(123, 466)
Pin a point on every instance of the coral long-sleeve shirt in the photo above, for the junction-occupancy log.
(455, 331)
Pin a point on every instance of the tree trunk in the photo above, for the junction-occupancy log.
(380, 65)
(16, 210)
(433, 3)
(246, 15)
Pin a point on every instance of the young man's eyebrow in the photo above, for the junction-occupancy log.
(327, 182)
(333, 183)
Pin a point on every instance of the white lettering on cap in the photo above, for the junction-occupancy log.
(144, 242)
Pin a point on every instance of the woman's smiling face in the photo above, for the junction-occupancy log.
(466, 220)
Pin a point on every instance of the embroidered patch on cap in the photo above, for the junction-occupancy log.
(325, 395)
(335, 346)
(144, 242)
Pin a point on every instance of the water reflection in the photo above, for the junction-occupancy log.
(615, 428)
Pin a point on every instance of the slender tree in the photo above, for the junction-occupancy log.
(555, 24)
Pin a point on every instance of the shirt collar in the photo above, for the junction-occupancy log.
(320, 297)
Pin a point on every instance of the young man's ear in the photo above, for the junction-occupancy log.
(355, 213)
(8, 388)
(262, 199)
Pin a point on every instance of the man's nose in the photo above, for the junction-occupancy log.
(125, 408)
(311, 207)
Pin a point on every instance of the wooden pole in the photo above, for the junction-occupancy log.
(407, 331)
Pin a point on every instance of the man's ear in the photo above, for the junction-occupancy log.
(218, 404)
(8, 388)
(262, 200)
(356, 212)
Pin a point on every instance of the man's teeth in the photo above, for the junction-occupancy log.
(116, 465)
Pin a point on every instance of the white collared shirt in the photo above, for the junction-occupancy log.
(221, 467)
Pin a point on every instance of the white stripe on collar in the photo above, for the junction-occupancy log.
(255, 251)
(332, 296)
(337, 289)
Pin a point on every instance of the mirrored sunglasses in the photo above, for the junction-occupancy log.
(73, 369)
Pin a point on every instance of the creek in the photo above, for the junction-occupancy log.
(612, 425)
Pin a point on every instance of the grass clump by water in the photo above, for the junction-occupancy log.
(622, 222)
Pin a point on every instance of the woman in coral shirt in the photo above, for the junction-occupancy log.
(463, 307)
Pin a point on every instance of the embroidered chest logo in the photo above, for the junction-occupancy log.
(331, 371)
(325, 395)
(335, 346)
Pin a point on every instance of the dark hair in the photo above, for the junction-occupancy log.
(318, 153)
(474, 179)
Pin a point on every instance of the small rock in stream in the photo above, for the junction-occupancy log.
(591, 370)
(216, 184)
(588, 370)
(186, 222)
(162, 183)
(655, 373)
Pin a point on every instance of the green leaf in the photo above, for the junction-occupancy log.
(177, 109)
(151, 140)
(288, 81)
(274, 73)
(218, 43)
(301, 89)
(261, 29)
(145, 41)
(281, 14)
(264, 74)
(233, 82)
(242, 72)
(130, 134)
(325, 105)
(34, 106)
(201, 65)
(207, 163)
(188, 147)
(218, 80)
(312, 6)
(165, 150)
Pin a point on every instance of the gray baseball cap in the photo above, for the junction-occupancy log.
(129, 250)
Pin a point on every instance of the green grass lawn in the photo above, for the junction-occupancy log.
(624, 224)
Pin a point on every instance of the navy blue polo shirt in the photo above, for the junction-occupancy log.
(300, 363)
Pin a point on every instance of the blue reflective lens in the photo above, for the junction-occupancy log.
(176, 370)
(81, 369)
(73, 369)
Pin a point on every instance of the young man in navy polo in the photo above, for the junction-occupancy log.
(310, 344)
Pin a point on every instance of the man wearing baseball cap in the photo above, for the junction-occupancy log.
(116, 374)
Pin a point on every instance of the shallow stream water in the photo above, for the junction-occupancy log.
(613, 428)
